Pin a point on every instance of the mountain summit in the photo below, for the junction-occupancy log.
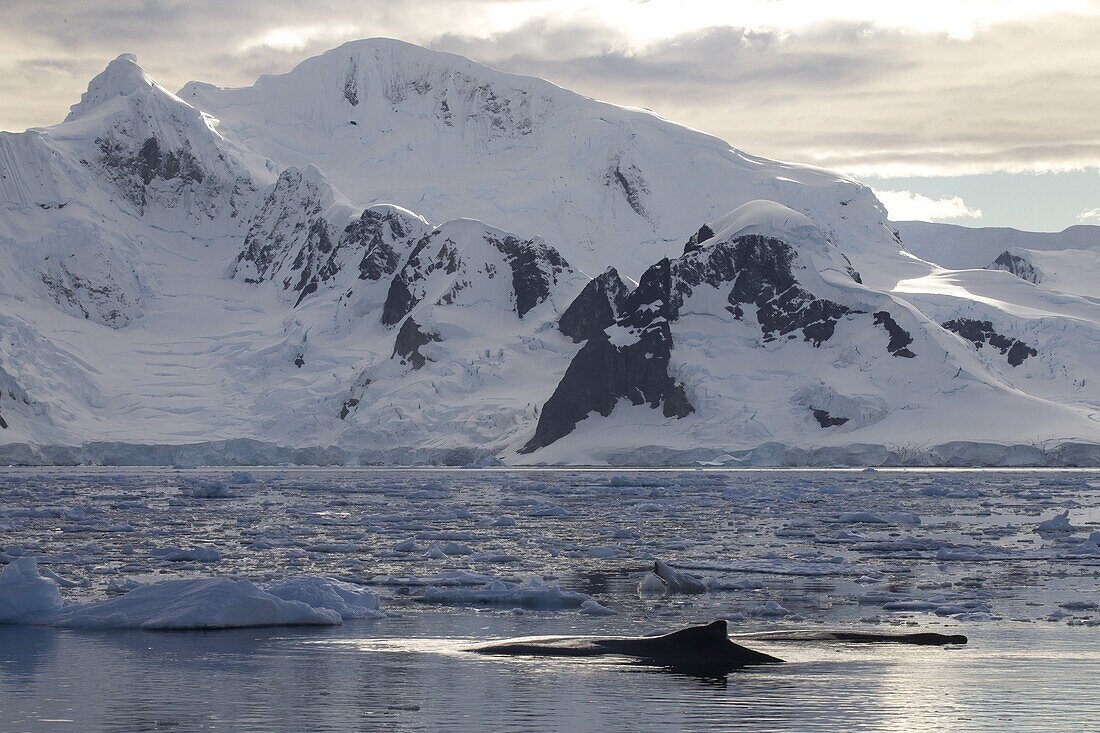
(394, 254)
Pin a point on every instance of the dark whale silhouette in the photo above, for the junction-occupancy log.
(920, 639)
(704, 648)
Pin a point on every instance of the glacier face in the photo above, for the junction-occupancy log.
(395, 254)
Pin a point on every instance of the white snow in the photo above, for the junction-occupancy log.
(25, 594)
(531, 593)
(348, 600)
(30, 597)
(136, 329)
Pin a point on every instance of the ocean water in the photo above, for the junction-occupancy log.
(948, 551)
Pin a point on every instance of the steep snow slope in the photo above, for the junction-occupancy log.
(753, 336)
(960, 247)
(448, 138)
(1074, 271)
(222, 265)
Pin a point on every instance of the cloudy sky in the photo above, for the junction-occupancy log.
(979, 112)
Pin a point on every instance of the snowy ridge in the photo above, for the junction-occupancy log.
(390, 254)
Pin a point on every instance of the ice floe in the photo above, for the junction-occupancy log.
(29, 597)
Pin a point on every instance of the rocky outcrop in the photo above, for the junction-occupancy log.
(825, 420)
(630, 358)
(535, 269)
(900, 339)
(598, 306)
(409, 340)
(602, 373)
(1016, 265)
(981, 333)
(534, 266)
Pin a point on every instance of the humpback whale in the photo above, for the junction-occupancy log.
(705, 648)
(923, 638)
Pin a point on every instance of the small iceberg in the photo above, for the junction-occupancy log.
(28, 597)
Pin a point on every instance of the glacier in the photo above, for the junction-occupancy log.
(395, 255)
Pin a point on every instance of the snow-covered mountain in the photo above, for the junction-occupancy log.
(394, 254)
(959, 247)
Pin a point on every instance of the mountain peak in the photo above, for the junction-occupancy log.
(121, 78)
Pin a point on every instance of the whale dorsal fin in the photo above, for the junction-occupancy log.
(712, 633)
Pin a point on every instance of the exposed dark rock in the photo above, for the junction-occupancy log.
(1016, 265)
(899, 337)
(400, 299)
(852, 272)
(697, 239)
(349, 404)
(153, 163)
(760, 270)
(313, 262)
(981, 333)
(373, 233)
(825, 420)
(351, 84)
(409, 340)
(133, 170)
(291, 237)
(535, 268)
(108, 302)
(299, 360)
(630, 181)
(288, 215)
(3, 422)
(598, 306)
(602, 373)
(369, 234)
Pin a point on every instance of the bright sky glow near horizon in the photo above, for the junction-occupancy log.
(981, 112)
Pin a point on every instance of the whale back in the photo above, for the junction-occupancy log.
(704, 645)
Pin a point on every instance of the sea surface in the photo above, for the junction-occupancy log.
(971, 552)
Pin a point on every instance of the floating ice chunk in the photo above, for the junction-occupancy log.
(456, 548)
(25, 594)
(435, 552)
(495, 557)
(556, 512)
(196, 603)
(348, 600)
(63, 582)
(532, 594)
(604, 553)
(426, 495)
(179, 554)
(450, 579)
(1079, 605)
(504, 522)
(592, 608)
(408, 545)
(1091, 546)
(204, 489)
(241, 477)
(1056, 525)
(651, 585)
(873, 518)
(772, 609)
(742, 584)
(911, 605)
(677, 581)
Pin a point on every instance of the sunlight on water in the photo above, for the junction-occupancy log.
(1030, 664)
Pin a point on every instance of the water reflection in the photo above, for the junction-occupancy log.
(419, 677)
